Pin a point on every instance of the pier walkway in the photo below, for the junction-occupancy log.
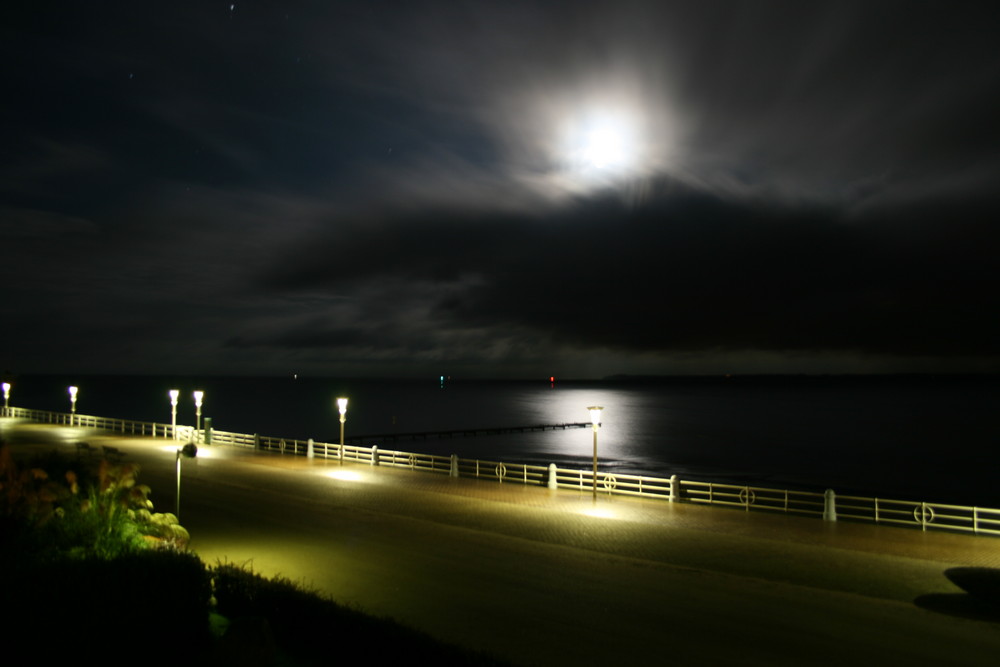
(459, 433)
(549, 577)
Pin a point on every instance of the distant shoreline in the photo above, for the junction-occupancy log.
(804, 378)
(761, 378)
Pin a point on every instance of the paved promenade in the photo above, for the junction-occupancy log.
(550, 577)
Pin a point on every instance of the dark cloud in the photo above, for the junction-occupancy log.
(692, 272)
(399, 186)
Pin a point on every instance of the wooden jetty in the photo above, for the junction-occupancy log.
(459, 433)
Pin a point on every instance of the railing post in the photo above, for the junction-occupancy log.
(553, 481)
(829, 505)
(675, 489)
(374, 455)
(309, 448)
(256, 441)
(454, 466)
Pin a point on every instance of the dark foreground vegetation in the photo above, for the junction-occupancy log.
(89, 570)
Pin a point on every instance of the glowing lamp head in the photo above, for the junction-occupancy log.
(174, 394)
(342, 405)
(72, 393)
(595, 415)
(6, 389)
(198, 396)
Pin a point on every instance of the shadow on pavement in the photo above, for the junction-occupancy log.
(21, 436)
(980, 601)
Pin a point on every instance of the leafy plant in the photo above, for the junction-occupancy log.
(28, 493)
(52, 519)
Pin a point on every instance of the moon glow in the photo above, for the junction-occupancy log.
(600, 148)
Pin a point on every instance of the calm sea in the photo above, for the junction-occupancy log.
(921, 438)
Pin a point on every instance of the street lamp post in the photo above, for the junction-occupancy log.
(174, 395)
(342, 407)
(198, 396)
(6, 399)
(188, 451)
(72, 404)
(595, 419)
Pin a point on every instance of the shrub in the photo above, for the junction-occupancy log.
(44, 518)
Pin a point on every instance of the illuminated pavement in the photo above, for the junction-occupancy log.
(548, 577)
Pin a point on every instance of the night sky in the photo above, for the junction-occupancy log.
(500, 189)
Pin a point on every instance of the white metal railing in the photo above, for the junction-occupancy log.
(923, 515)
(413, 461)
(501, 471)
(614, 483)
(914, 514)
(234, 439)
(753, 497)
(123, 426)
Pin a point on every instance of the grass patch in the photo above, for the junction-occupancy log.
(312, 629)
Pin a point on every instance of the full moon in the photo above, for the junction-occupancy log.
(599, 147)
(603, 147)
